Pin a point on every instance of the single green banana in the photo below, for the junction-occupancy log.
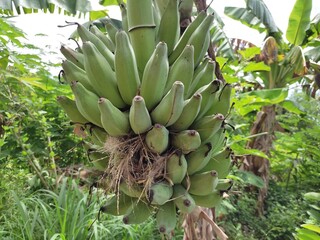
(205, 47)
(221, 163)
(169, 28)
(124, 17)
(87, 36)
(185, 9)
(197, 186)
(208, 201)
(111, 30)
(159, 193)
(126, 68)
(170, 108)
(209, 93)
(224, 184)
(157, 139)
(99, 134)
(141, 30)
(199, 69)
(139, 117)
(184, 39)
(104, 38)
(101, 76)
(87, 103)
(206, 77)
(183, 199)
(73, 73)
(166, 218)
(118, 205)
(198, 39)
(223, 101)
(199, 158)
(132, 190)
(218, 140)
(155, 76)
(176, 167)
(160, 6)
(182, 70)
(189, 113)
(73, 56)
(186, 140)
(139, 213)
(115, 122)
(70, 108)
(208, 126)
(99, 160)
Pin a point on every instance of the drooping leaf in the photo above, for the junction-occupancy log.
(256, 66)
(290, 106)
(299, 21)
(250, 178)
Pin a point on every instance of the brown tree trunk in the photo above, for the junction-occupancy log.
(265, 123)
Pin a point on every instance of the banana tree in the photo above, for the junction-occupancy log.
(272, 70)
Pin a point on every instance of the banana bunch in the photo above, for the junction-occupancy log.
(153, 111)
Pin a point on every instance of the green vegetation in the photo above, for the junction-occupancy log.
(47, 186)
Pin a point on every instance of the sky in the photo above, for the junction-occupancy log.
(47, 24)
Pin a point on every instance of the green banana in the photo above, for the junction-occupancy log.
(104, 38)
(124, 17)
(224, 184)
(205, 47)
(155, 76)
(100, 74)
(206, 77)
(99, 134)
(208, 126)
(140, 120)
(73, 56)
(141, 30)
(166, 219)
(199, 69)
(87, 103)
(197, 186)
(70, 108)
(208, 201)
(159, 193)
(99, 160)
(184, 39)
(169, 109)
(185, 9)
(183, 199)
(209, 93)
(73, 73)
(182, 70)
(169, 28)
(199, 37)
(189, 113)
(199, 158)
(221, 163)
(118, 205)
(126, 70)
(223, 100)
(157, 139)
(160, 6)
(139, 213)
(111, 30)
(87, 36)
(186, 140)
(132, 190)
(176, 167)
(218, 140)
(115, 122)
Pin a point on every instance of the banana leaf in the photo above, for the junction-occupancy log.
(299, 21)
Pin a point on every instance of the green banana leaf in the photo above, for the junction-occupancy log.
(299, 21)
(254, 15)
(70, 6)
